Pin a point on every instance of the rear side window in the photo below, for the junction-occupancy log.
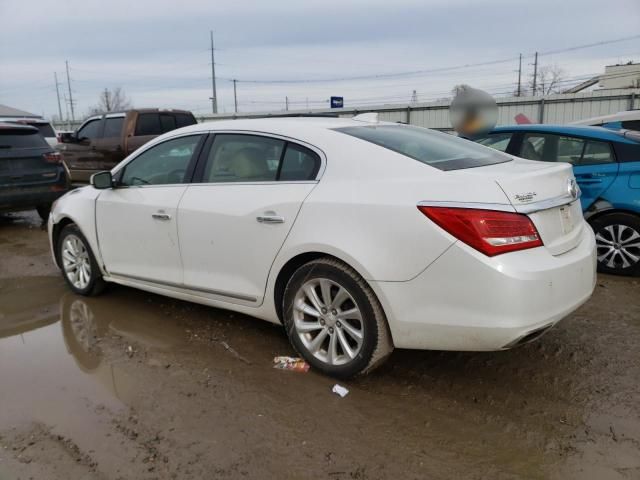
(497, 141)
(560, 148)
(243, 158)
(596, 153)
(184, 120)
(167, 122)
(299, 163)
(15, 139)
(148, 124)
(113, 127)
(439, 150)
(627, 152)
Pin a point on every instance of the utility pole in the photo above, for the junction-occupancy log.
(73, 116)
(519, 76)
(214, 96)
(55, 77)
(414, 97)
(286, 104)
(235, 96)
(535, 74)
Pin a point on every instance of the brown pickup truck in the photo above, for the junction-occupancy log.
(103, 141)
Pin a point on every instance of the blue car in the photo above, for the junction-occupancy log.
(606, 164)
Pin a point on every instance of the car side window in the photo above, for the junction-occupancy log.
(167, 122)
(596, 153)
(162, 164)
(90, 130)
(113, 127)
(243, 158)
(569, 149)
(299, 163)
(497, 141)
(533, 146)
(148, 124)
(631, 124)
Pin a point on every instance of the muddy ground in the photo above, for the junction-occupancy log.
(131, 385)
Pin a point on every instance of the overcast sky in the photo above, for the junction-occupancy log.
(158, 50)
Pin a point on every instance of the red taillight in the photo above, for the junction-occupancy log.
(52, 157)
(488, 231)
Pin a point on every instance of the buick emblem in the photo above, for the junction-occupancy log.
(572, 188)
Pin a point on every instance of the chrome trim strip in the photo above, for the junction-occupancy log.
(220, 293)
(503, 207)
(546, 204)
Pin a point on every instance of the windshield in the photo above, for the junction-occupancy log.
(437, 149)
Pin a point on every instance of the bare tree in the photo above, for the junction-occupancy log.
(548, 81)
(110, 101)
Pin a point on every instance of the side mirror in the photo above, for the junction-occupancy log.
(67, 137)
(101, 180)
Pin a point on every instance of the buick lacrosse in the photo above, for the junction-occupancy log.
(357, 235)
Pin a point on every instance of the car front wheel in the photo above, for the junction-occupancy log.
(334, 320)
(79, 267)
(618, 243)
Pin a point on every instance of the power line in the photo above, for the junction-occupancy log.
(435, 70)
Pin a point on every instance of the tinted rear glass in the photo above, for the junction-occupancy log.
(184, 119)
(439, 150)
(168, 123)
(15, 139)
(148, 124)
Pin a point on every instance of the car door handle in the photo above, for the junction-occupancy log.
(270, 219)
(588, 181)
(161, 216)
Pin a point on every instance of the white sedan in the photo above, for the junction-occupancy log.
(357, 235)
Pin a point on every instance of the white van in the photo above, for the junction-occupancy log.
(629, 120)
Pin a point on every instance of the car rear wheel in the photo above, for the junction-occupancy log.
(334, 320)
(79, 267)
(618, 243)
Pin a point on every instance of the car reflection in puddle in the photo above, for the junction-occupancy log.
(60, 364)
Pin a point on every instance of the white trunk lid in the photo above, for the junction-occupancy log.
(547, 193)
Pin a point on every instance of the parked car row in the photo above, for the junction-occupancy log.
(33, 174)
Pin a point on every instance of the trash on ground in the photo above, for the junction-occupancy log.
(340, 390)
(291, 363)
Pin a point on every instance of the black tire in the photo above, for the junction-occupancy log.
(376, 344)
(95, 284)
(43, 211)
(619, 230)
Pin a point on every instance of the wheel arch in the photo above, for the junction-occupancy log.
(609, 211)
(295, 262)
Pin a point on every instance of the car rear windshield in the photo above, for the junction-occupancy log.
(437, 149)
(10, 138)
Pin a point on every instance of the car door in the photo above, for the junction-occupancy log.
(594, 164)
(109, 146)
(136, 221)
(81, 156)
(235, 219)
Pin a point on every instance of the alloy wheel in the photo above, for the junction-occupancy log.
(76, 262)
(618, 246)
(328, 321)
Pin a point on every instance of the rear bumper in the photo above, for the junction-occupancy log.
(29, 196)
(467, 301)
